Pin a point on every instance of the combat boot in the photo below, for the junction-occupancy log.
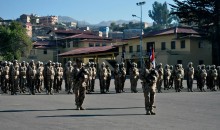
(152, 112)
(81, 108)
(77, 108)
(148, 112)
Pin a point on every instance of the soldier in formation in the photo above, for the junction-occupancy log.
(117, 78)
(108, 79)
(190, 76)
(103, 77)
(134, 76)
(167, 76)
(160, 77)
(122, 77)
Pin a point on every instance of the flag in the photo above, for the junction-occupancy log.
(152, 57)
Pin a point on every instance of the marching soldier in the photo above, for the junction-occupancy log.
(208, 78)
(39, 77)
(190, 76)
(134, 76)
(160, 77)
(89, 68)
(182, 73)
(167, 75)
(31, 77)
(93, 76)
(23, 78)
(60, 81)
(108, 79)
(103, 77)
(14, 75)
(122, 76)
(81, 77)
(149, 79)
(202, 78)
(68, 76)
(49, 71)
(117, 78)
(171, 77)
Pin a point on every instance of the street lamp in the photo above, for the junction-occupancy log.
(141, 37)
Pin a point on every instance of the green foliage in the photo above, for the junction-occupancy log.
(14, 41)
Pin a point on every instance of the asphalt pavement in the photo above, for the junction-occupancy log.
(124, 111)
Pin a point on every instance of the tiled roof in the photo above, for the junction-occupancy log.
(87, 50)
(82, 36)
(72, 31)
(43, 43)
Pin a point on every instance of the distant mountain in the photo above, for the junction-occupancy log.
(84, 23)
(69, 19)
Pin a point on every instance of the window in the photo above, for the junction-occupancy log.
(173, 45)
(91, 44)
(150, 45)
(58, 52)
(68, 45)
(182, 44)
(138, 48)
(103, 44)
(201, 44)
(179, 61)
(45, 51)
(163, 45)
(97, 44)
(130, 49)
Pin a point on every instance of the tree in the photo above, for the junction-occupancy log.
(160, 14)
(14, 41)
(203, 14)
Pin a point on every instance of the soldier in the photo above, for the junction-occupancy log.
(149, 78)
(89, 68)
(177, 78)
(190, 76)
(167, 75)
(108, 79)
(14, 75)
(171, 77)
(103, 77)
(117, 78)
(122, 76)
(218, 78)
(31, 77)
(60, 81)
(68, 76)
(197, 76)
(182, 73)
(160, 77)
(213, 78)
(39, 77)
(49, 71)
(134, 76)
(23, 78)
(81, 77)
(202, 78)
(93, 76)
(1, 72)
(208, 78)
(5, 77)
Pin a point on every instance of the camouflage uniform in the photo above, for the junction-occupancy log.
(68, 76)
(177, 78)
(60, 81)
(213, 78)
(31, 77)
(167, 75)
(81, 77)
(14, 75)
(93, 75)
(134, 76)
(39, 77)
(49, 71)
(202, 78)
(208, 78)
(108, 79)
(218, 78)
(117, 78)
(190, 76)
(197, 76)
(1, 72)
(160, 77)
(5, 77)
(103, 77)
(149, 78)
(122, 77)
(171, 81)
(182, 73)
(23, 78)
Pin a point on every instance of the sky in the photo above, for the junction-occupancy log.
(92, 11)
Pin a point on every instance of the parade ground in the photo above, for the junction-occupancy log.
(125, 111)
